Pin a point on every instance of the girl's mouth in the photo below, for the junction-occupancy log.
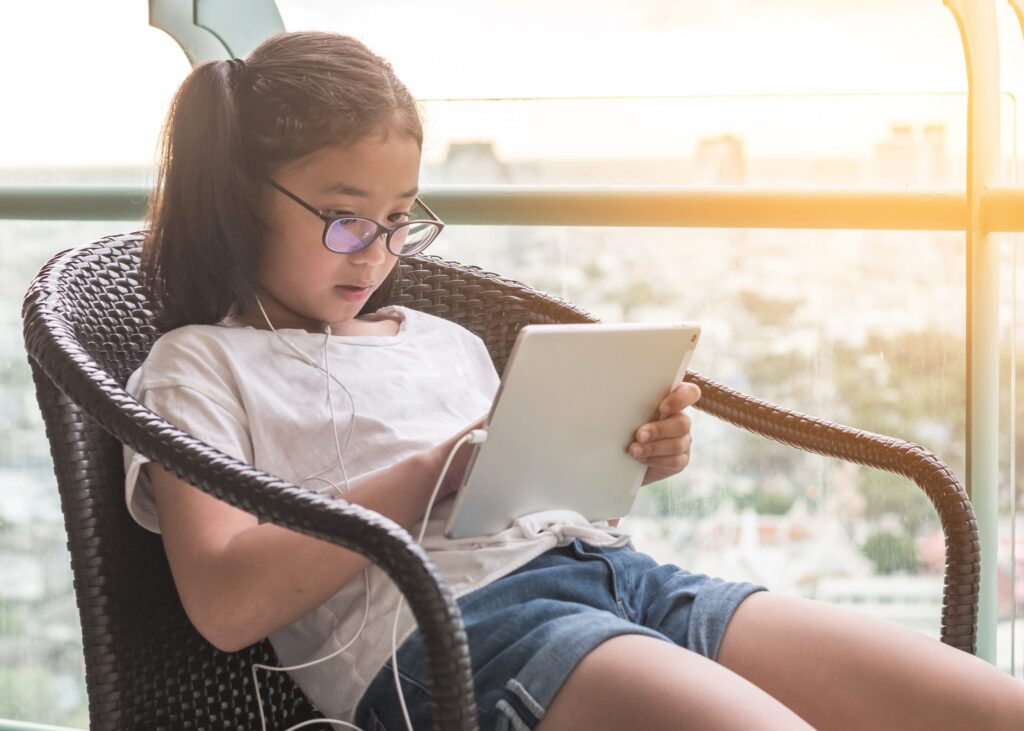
(352, 294)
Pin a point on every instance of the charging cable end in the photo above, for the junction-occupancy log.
(478, 436)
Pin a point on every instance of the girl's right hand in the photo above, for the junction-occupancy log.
(456, 470)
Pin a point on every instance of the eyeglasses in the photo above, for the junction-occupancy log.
(345, 234)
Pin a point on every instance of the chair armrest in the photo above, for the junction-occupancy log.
(56, 352)
(944, 490)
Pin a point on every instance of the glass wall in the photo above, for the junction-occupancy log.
(41, 664)
(859, 327)
(862, 328)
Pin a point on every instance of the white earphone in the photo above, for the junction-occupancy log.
(476, 436)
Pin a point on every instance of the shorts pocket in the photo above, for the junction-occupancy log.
(384, 712)
(373, 722)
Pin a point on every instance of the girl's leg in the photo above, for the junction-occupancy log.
(839, 669)
(635, 681)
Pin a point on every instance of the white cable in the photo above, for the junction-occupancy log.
(330, 405)
(475, 437)
(366, 576)
(255, 665)
(310, 361)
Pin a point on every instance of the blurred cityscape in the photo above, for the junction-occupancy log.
(865, 328)
(860, 327)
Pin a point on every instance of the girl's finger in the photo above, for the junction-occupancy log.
(684, 421)
(683, 396)
(670, 427)
(663, 447)
(669, 464)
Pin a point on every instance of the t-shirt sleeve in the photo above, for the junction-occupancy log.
(218, 423)
(482, 367)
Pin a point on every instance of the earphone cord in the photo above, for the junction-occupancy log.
(326, 368)
(401, 598)
(366, 577)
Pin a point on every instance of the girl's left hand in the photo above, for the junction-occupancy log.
(665, 444)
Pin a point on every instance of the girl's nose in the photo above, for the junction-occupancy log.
(376, 252)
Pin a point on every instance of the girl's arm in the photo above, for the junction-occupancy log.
(240, 581)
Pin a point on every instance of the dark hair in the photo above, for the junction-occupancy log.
(233, 124)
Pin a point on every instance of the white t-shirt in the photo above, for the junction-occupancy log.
(244, 392)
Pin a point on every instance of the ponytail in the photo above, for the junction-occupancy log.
(200, 256)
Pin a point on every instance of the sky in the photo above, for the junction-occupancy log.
(88, 83)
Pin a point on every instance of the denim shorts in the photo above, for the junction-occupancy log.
(529, 629)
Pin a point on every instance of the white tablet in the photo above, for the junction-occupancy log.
(571, 398)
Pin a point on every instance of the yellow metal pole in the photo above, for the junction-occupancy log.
(976, 20)
(1013, 401)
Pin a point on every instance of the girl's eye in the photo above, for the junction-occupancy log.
(394, 217)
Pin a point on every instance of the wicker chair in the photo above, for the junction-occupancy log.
(87, 327)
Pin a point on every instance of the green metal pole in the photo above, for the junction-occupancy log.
(74, 202)
(209, 30)
(6, 725)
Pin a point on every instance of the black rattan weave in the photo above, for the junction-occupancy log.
(87, 327)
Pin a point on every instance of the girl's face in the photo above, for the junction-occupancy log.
(298, 278)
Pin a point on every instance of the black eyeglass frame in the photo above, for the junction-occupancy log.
(329, 221)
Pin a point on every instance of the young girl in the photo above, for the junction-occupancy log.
(286, 184)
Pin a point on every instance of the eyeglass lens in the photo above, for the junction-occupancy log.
(346, 235)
